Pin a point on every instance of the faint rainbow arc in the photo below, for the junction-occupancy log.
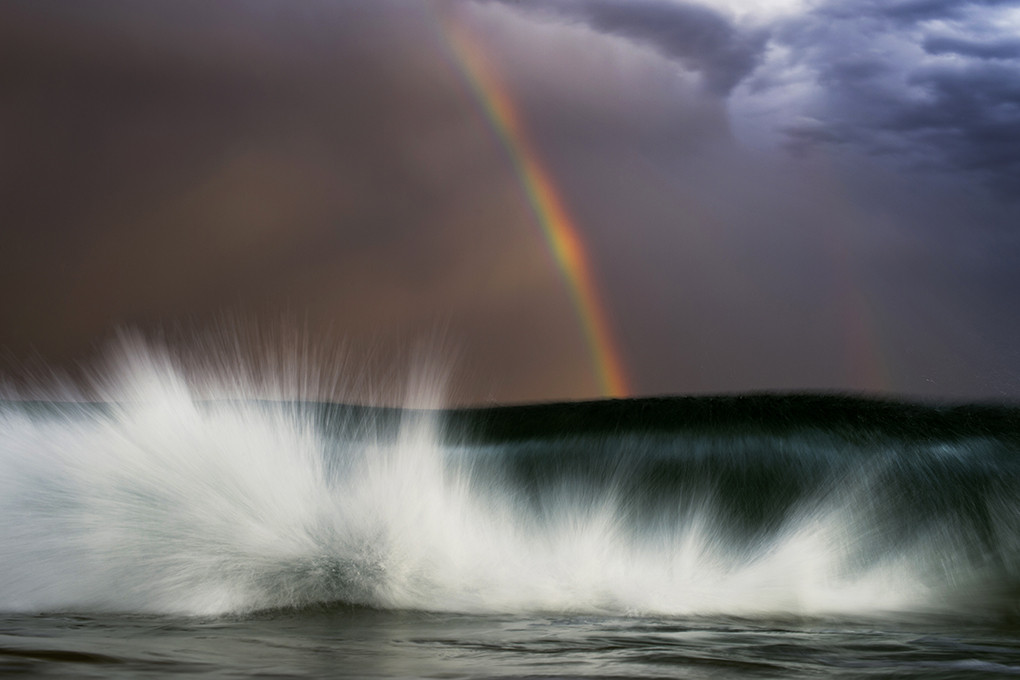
(557, 227)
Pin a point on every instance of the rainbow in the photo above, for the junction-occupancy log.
(558, 229)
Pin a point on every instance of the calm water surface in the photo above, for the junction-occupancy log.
(367, 643)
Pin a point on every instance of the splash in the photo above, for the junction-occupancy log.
(558, 228)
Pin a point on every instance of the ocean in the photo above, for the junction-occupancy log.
(765, 535)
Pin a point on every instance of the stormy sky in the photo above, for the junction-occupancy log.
(779, 195)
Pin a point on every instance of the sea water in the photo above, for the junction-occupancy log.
(162, 533)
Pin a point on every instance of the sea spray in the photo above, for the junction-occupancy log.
(160, 501)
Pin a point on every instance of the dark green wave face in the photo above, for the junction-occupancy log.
(853, 419)
(752, 506)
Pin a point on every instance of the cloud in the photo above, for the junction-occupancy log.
(994, 49)
(927, 85)
(971, 120)
(329, 161)
(694, 35)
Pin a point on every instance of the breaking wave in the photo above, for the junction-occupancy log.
(159, 501)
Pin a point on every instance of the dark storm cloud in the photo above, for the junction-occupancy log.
(972, 119)
(167, 160)
(908, 11)
(994, 49)
(923, 84)
(694, 35)
(926, 85)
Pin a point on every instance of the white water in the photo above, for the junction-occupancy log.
(166, 504)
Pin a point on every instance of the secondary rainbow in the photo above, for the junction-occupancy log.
(558, 229)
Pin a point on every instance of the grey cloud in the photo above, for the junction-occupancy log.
(907, 102)
(889, 102)
(696, 36)
(908, 11)
(994, 49)
(916, 10)
(973, 118)
(800, 139)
